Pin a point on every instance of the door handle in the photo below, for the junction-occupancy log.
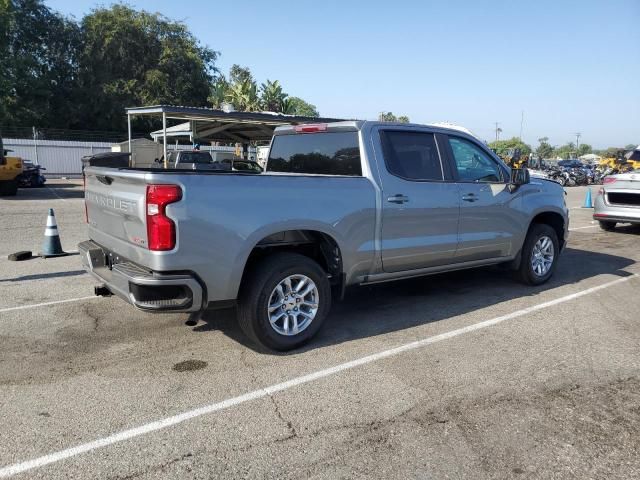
(399, 198)
(469, 197)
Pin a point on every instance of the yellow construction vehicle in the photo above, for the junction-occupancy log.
(633, 157)
(10, 169)
(621, 160)
(514, 158)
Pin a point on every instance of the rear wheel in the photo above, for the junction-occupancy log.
(284, 301)
(539, 255)
(607, 226)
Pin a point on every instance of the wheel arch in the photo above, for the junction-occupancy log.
(317, 244)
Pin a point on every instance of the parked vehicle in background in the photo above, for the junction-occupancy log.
(238, 165)
(189, 159)
(341, 204)
(571, 163)
(618, 200)
(10, 170)
(31, 176)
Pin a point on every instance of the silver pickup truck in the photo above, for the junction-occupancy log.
(340, 204)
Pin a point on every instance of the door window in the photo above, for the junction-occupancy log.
(412, 155)
(472, 163)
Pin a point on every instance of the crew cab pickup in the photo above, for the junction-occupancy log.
(340, 204)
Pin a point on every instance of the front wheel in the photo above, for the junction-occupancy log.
(539, 255)
(284, 301)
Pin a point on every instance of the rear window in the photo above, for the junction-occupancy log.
(195, 157)
(331, 153)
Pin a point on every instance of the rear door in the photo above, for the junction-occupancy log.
(420, 204)
(489, 222)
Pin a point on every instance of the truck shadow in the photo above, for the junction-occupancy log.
(373, 310)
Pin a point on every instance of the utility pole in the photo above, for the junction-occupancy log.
(498, 130)
(521, 123)
(578, 135)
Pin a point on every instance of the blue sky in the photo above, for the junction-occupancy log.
(571, 66)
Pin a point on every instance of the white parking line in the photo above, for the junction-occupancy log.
(279, 387)
(580, 228)
(46, 304)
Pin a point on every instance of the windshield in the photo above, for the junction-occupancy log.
(195, 157)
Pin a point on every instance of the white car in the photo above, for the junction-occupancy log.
(618, 200)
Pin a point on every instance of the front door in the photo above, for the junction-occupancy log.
(489, 221)
(420, 204)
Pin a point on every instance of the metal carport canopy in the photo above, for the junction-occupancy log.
(231, 127)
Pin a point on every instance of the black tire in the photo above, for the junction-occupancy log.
(607, 226)
(257, 288)
(525, 272)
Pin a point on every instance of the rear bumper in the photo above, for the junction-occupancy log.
(607, 212)
(142, 288)
(606, 217)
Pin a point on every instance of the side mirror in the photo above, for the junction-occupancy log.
(519, 176)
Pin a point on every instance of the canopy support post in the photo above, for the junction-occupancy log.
(164, 139)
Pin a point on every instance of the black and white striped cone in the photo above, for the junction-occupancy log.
(51, 247)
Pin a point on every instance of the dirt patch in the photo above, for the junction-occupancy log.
(189, 365)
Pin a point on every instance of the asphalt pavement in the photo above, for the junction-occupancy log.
(462, 375)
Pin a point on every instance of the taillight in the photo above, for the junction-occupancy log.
(161, 231)
(608, 180)
(311, 128)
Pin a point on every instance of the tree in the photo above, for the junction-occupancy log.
(297, 106)
(238, 74)
(244, 96)
(390, 117)
(134, 57)
(501, 146)
(630, 146)
(544, 150)
(38, 65)
(272, 96)
(566, 151)
(583, 149)
(219, 91)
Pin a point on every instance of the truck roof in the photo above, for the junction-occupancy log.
(355, 125)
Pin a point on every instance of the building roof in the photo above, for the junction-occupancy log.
(208, 124)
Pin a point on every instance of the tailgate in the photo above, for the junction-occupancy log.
(116, 205)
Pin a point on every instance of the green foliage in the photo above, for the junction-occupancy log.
(566, 151)
(297, 106)
(131, 57)
(630, 146)
(242, 91)
(544, 150)
(56, 72)
(390, 117)
(272, 96)
(501, 146)
(244, 96)
(584, 148)
(38, 64)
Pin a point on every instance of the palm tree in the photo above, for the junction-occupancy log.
(219, 92)
(272, 96)
(244, 96)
